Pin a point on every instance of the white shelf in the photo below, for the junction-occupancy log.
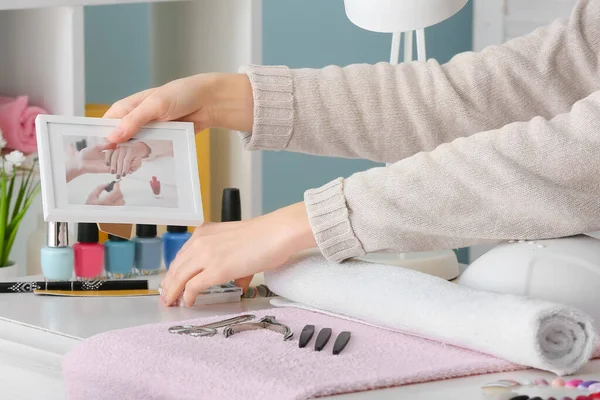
(42, 56)
(28, 4)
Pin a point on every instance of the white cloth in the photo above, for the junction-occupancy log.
(522, 330)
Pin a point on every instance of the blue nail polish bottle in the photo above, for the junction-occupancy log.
(173, 241)
(119, 257)
(148, 250)
(57, 258)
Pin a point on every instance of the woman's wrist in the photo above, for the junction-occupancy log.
(295, 227)
(143, 149)
(233, 102)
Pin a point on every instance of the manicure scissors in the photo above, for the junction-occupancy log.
(267, 322)
(209, 329)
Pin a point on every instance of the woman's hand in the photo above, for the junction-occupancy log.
(221, 252)
(126, 158)
(114, 198)
(207, 100)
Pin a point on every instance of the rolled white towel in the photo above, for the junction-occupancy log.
(522, 330)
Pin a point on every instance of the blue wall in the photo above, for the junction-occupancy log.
(316, 33)
(117, 56)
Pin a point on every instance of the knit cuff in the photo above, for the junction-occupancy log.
(330, 222)
(272, 90)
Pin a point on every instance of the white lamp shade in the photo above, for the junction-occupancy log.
(390, 16)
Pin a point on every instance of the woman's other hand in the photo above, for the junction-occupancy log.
(113, 198)
(222, 252)
(207, 100)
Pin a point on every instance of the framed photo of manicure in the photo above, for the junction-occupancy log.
(150, 179)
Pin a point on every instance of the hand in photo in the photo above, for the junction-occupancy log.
(90, 160)
(114, 196)
(126, 158)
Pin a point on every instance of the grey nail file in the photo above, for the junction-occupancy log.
(322, 339)
(341, 342)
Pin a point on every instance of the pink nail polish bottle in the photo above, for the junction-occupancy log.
(89, 254)
(155, 186)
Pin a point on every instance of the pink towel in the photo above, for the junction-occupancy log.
(147, 362)
(17, 122)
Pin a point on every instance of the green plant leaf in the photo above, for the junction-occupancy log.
(34, 190)
(22, 192)
(3, 212)
(13, 228)
(9, 197)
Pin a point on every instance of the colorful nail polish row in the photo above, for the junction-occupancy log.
(507, 385)
(119, 258)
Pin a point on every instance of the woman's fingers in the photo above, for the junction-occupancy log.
(198, 284)
(114, 196)
(182, 269)
(123, 107)
(120, 158)
(98, 191)
(136, 163)
(150, 109)
(107, 157)
(244, 283)
(114, 160)
(127, 160)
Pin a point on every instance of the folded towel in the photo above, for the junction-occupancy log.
(17, 122)
(522, 330)
(147, 362)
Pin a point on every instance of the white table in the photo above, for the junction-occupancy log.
(36, 332)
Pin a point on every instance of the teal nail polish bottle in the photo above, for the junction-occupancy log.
(173, 241)
(148, 250)
(57, 258)
(119, 257)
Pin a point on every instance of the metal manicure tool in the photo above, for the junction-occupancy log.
(267, 322)
(209, 329)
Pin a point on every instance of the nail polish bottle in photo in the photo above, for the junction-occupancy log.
(231, 205)
(173, 240)
(148, 250)
(119, 257)
(57, 257)
(89, 254)
(155, 186)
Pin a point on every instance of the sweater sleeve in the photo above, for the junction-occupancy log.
(527, 180)
(386, 113)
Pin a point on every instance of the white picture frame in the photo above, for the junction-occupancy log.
(70, 181)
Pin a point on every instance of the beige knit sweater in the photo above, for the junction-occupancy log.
(501, 144)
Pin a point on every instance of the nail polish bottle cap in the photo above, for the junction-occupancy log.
(87, 232)
(57, 234)
(231, 207)
(145, 231)
(114, 238)
(177, 229)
